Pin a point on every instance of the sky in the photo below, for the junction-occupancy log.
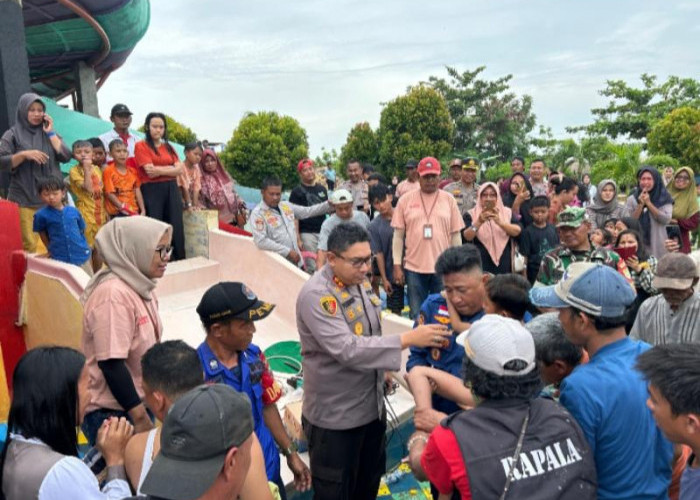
(331, 64)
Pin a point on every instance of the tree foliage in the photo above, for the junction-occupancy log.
(177, 132)
(413, 125)
(361, 145)
(488, 117)
(328, 158)
(632, 112)
(266, 144)
(621, 164)
(678, 135)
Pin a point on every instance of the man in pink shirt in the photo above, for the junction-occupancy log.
(429, 221)
(410, 183)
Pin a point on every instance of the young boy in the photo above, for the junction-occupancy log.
(61, 228)
(381, 234)
(86, 186)
(99, 155)
(538, 238)
(122, 185)
(673, 374)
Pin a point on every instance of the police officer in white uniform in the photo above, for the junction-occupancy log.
(272, 221)
(345, 357)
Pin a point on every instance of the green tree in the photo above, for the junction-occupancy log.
(177, 132)
(266, 144)
(361, 145)
(621, 164)
(413, 125)
(678, 135)
(488, 117)
(328, 158)
(632, 112)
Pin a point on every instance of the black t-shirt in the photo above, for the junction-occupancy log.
(534, 243)
(307, 196)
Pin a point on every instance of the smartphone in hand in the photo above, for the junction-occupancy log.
(673, 232)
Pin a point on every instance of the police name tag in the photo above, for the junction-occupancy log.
(428, 232)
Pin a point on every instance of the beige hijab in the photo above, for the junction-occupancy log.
(127, 244)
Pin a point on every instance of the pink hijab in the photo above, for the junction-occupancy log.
(492, 236)
(218, 189)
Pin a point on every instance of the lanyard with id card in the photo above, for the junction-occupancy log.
(428, 227)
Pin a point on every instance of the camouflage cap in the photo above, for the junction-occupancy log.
(572, 217)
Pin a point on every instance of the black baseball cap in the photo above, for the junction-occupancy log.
(231, 300)
(120, 109)
(411, 164)
(198, 431)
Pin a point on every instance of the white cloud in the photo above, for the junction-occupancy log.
(331, 64)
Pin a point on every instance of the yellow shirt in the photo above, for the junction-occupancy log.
(90, 205)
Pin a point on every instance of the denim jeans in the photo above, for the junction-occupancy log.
(420, 285)
(93, 420)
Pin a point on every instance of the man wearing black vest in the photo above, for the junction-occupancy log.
(513, 444)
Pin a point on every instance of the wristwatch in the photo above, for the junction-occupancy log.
(290, 450)
(474, 228)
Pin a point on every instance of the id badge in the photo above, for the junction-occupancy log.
(428, 232)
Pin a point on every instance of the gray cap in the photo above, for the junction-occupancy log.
(198, 431)
(676, 271)
(493, 341)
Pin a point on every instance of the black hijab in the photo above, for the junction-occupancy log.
(658, 196)
(509, 199)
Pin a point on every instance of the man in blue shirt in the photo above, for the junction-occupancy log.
(607, 396)
(460, 270)
(228, 311)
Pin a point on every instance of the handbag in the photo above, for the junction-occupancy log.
(518, 260)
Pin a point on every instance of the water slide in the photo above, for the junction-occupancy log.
(61, 33)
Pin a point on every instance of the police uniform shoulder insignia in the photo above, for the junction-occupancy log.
(329, 305)
(375, 300)
(359, 328)
(259, 223)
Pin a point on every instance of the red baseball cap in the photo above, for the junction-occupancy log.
(303, 163)
(429, 165)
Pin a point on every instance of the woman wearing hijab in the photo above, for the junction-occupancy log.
(219, 193)
(605, 205)
(491, 228)
(518, 199)
(651, 204)
(686, 212)
(30, 150)
(120, 318)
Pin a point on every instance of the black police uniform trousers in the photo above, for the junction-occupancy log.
(347, 464)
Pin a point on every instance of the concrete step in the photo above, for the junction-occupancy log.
(188, 274)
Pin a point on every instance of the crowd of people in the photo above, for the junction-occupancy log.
(115, 175)
(554, 351)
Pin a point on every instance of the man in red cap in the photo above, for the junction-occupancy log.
(306, 194)
(429, 221)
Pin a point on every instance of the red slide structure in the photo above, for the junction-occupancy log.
(13, 265)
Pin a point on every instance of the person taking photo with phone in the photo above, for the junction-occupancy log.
(490, 226)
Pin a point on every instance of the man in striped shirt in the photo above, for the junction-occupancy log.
(674, 315)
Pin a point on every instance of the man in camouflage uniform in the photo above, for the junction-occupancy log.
(574, 229)
(465, 190)
(272, 221)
